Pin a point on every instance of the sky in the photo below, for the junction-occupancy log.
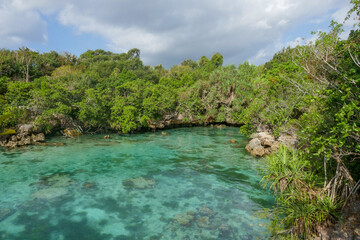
(167, 31)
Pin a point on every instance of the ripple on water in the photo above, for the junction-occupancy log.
(189, 184)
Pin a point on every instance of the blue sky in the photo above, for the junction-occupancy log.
(166, 31)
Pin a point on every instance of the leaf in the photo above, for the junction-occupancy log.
(8, 131)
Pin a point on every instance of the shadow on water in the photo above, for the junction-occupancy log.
(37, 227)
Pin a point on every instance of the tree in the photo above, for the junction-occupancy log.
(26, 56)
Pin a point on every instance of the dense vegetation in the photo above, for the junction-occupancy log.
(312, 91)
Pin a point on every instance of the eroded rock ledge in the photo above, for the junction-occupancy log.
(27, 134)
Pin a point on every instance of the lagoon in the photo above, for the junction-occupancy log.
(192, 183)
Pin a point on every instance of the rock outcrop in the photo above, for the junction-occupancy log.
(263, 143)
(71, 132)
(25, 135)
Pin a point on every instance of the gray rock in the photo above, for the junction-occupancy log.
(255, 148)
(267, 140)
(11, 144)
(289, 140)
(26, 129)
(25, 140)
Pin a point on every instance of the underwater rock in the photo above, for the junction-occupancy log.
(225, 231)
(232, 141)
(164, 133)
(54, 144)
(139, 183)
(4, 213)
(88, 185)
(50, 193)
(56, 180)
(184, 219)
(204, 222)
(206, 211)
(107, 137)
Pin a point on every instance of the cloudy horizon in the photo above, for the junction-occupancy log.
(166, 32)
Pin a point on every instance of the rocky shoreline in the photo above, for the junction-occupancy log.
(28, 134)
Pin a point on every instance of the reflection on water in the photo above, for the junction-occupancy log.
(190, 184)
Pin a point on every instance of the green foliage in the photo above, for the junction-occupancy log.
(5, 131)
(285, 170)
(300, 207)
(124, 117)
(94, 108)
(18, 93)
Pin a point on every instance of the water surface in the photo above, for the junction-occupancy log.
(190, 184)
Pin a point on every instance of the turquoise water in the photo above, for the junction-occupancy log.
(190, 184)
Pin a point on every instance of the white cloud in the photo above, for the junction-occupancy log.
(169, 31)
(19, 26)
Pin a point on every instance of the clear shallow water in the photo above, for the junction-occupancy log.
(195, 185)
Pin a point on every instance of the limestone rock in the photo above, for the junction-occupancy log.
(289, 140)
(70, 132)
(38, 137)
(26, 129)
(255, 148)
(262, 143)
(11, 144)
(139, 183)
(25, 140)
(267, 140)
(180, 117)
